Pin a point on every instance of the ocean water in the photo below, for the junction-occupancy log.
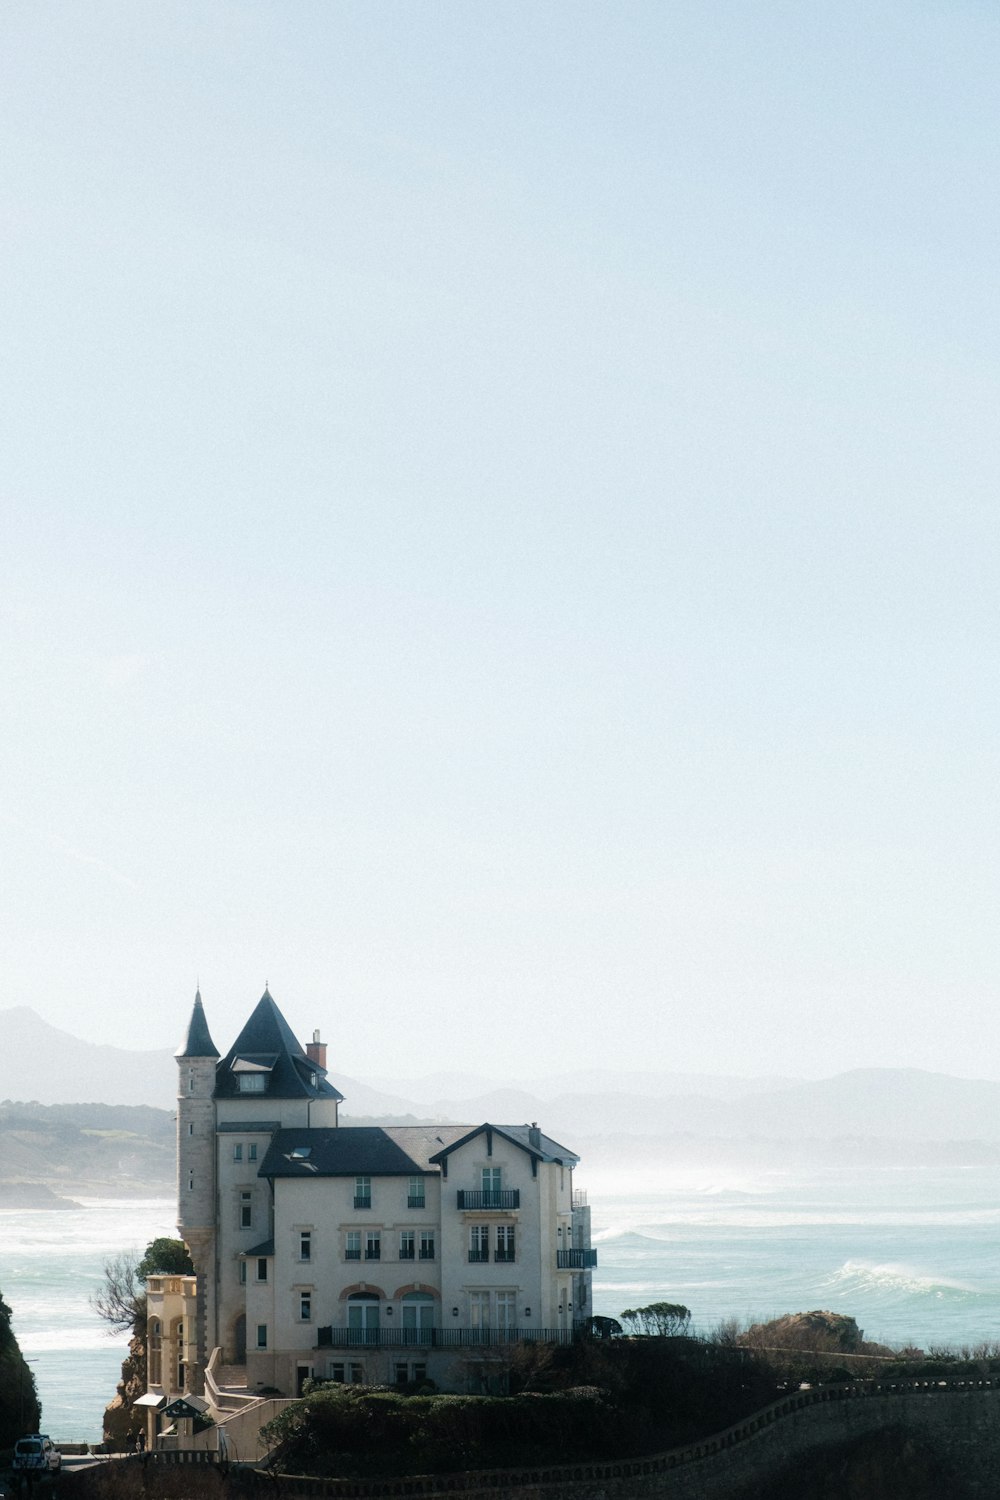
(51, 1263)
(913, 1254)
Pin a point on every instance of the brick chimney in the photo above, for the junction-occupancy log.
(316, 1051)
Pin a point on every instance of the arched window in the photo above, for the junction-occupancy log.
(362, 1318)
(418, 1317)
(177, 1355)
(154, 1351)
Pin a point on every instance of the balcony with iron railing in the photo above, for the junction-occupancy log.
(442, 1338)
(478, 1257)
(491, 1198)
(362, 1200)
(575, 1260)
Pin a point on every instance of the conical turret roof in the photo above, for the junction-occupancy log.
(198, 1042)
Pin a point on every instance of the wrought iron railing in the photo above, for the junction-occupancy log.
(442, 1338)
(575, 1260)
(489, 1198)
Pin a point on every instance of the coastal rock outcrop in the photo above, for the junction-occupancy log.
(122, 1421)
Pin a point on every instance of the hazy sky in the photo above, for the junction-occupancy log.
(500, 528)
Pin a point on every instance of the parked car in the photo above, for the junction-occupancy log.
(36, 1454)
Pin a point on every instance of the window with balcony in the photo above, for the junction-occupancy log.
(479, 1242)
(427, 1244)
(506, 1309)
(363, 1318)
(415, 1197)
(492, 1188)
(479, 1310)
(362, 1192)
(352, 1245)
(373, 1245)
(505, 1242)
(407, 1245)
(417, 1313)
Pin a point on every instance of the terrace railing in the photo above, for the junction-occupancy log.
(493, 1198)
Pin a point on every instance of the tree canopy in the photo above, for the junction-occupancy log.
(165, 1257)
(659, 1319)
(121, 1298)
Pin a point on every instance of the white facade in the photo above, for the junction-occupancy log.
(371, 1254)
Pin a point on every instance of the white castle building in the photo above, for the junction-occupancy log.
(373, 1254)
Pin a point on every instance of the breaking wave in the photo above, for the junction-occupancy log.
(868, 1277)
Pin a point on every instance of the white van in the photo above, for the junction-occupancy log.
(36, 1455)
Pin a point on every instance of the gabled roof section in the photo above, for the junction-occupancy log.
(198, 1042)
(352, 1150)
(528, 1137)
(267, 1046)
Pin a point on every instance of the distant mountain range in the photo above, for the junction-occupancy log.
(42, 1063)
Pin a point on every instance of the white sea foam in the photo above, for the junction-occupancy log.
(895, 1276)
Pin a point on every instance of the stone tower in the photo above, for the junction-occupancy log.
(196, 1060)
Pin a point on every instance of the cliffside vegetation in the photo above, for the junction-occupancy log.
(20, 1411)
(603, 1398)
(607, 1397)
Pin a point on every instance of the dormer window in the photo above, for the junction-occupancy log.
(252, 1072)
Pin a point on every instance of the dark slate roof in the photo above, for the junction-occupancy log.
(528, 1137)
(198, 1042)
(264, 1249)
(374, 1150)
(268, 1042)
